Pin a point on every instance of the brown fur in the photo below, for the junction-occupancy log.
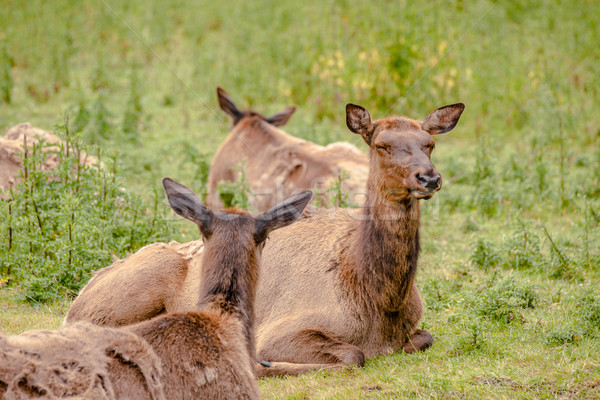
(277, 164)
(76, 362)
(338, 286)
(24, 136)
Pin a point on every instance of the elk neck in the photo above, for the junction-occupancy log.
(229, 279)
(385, 250)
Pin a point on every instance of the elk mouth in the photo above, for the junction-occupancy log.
(422, 194)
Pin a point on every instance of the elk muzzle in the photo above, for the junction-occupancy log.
(430, 182)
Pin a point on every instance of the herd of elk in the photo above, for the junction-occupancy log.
(277, 164)
(208, 352)
(335, 288)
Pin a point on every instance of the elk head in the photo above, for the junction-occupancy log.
(400, 151)
(227, 105)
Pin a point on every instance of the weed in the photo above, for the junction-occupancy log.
(236, 194)
(435, 294)
(589, 309)
(472, 337)
(6, 80)
(82, 117)
(562, 335)
(133, 110)
(504, 301)
(522, 249)
(337, 197)
(100, 127)
(484, 255)
(200, 163)
(559, 265)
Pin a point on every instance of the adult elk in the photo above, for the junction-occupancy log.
(352, 294)
(277, 164)
(336, 287)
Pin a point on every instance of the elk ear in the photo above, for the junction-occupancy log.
(443, 120)
(282, 117)
(281, 215)
(228, 106)
(186, 204)
(359, 121)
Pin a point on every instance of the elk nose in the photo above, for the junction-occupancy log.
(429, 182)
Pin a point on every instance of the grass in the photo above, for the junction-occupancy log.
(19, 317)
(510, 262)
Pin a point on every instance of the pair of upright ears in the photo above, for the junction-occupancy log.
(442, 120)
(227, 105)
(186, 204)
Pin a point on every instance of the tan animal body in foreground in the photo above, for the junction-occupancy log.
(335, 288)
(277, 164)
(206, 353)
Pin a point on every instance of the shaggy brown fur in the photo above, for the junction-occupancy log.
(277, 164)
(76, 362)
(24, 136)
(338, 286)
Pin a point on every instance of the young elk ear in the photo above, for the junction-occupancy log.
(228, 106)
(281, 215)
(443, 120)
(185, 203)
(359, 121)
(282, 117)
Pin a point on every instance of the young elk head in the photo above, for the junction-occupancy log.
(400, 150)
(227, 105)
(233, 239)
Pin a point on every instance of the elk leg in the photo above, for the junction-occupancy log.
(308, 350)
(419, 341)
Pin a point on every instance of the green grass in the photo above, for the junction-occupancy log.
(510, 263)
(19, 317)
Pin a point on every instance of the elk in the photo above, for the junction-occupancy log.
(352, 294)
(205, 353)
(277, 164)
(338, 286)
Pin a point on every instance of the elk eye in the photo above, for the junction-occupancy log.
(383, 147)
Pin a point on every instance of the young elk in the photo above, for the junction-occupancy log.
(209, 352)
(277, 164)
(336, 287)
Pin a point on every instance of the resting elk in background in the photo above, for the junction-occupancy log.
(336, 287)
(277, 164)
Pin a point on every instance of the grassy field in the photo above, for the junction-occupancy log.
(510, 266)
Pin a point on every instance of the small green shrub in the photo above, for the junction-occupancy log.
(522, 249)
(484, 255)
(504, 301)
(562, 335)
(559, 265)
(472, 339)
(435, 294)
